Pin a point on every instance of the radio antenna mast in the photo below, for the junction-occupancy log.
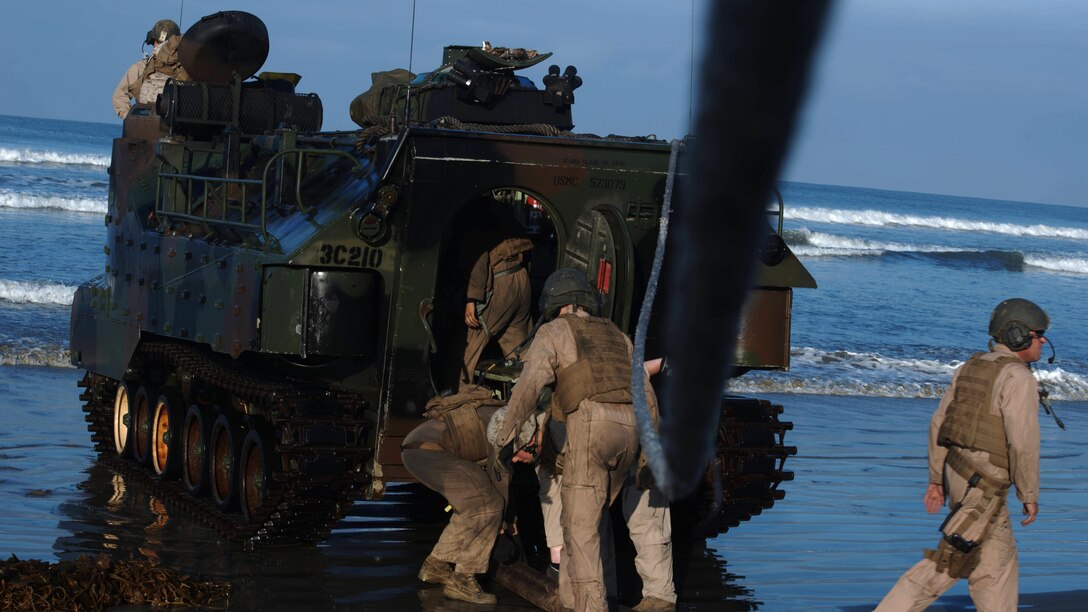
(411, 48)
(691, 69)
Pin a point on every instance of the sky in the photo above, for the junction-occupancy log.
(982, 98)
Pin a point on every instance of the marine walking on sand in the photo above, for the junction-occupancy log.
(983, 438)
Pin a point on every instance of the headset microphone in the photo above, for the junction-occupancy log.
(1044, 395)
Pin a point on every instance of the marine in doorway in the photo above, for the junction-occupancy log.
(497, 299)
(983, 438)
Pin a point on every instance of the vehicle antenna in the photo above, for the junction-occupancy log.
(691, 68)
(411, 48)
(181, 15)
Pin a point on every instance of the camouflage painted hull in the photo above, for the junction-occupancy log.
(278, 303)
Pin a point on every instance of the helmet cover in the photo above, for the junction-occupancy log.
(163, 29)
(1021, 317)
(568, 286)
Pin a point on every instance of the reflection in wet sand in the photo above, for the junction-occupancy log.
(369, 561)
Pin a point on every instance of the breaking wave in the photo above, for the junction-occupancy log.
(820, 372)
(878, 218)
(28, 156)
(36, 292)
(1070, 265)
(34, 202)
(51, 356)
(807, 243)
(815, 244)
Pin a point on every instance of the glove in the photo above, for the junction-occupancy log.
(506, 550)
(644, 478)
(498, 461)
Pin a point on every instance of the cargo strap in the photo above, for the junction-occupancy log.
(970, 472)
(482, 306)
(509, 271)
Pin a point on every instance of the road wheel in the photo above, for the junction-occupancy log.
(257, 459)
(194, 450)
(166, 426)
(141, 424)
(224, 446)
(122, 421)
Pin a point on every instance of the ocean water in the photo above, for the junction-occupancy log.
(906, 284)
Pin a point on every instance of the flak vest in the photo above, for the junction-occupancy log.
(465, 436)
(601, 372)
(968, 422)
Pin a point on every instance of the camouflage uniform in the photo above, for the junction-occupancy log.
(121, 98)
(146, 79)
(501, 290)
(993, 583)
(477, 501)
(602, 445)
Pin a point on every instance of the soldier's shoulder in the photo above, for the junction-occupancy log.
(556, 326)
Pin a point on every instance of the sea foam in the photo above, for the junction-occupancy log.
(36, 292)
(867, 374)
(1070, 265)
(807, 243)
(804, 241)
(878, 218)
(32, 202)
(28, 156)
(50, 356)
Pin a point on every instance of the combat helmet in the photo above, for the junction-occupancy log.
(1013, 321)
(568, 286)
(163, 29)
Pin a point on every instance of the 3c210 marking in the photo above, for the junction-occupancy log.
(351, 255)
(607, 183)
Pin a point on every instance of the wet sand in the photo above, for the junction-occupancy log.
(850, 524)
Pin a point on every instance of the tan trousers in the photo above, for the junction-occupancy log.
(477, 507)
(602, 443)
(649, 521)
(994, 583)
(506, 318)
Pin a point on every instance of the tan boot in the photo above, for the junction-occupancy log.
(463, 587)
(435, 571)
(653, 604)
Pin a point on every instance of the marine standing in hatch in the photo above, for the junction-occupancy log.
(497, 298)
(588, 359)
(983, 438)
(145, 79)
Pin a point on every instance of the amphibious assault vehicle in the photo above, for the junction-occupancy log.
(278, 303)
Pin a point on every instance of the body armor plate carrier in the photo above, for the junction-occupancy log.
(602, 372)
(969, 423)
(465, 435)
